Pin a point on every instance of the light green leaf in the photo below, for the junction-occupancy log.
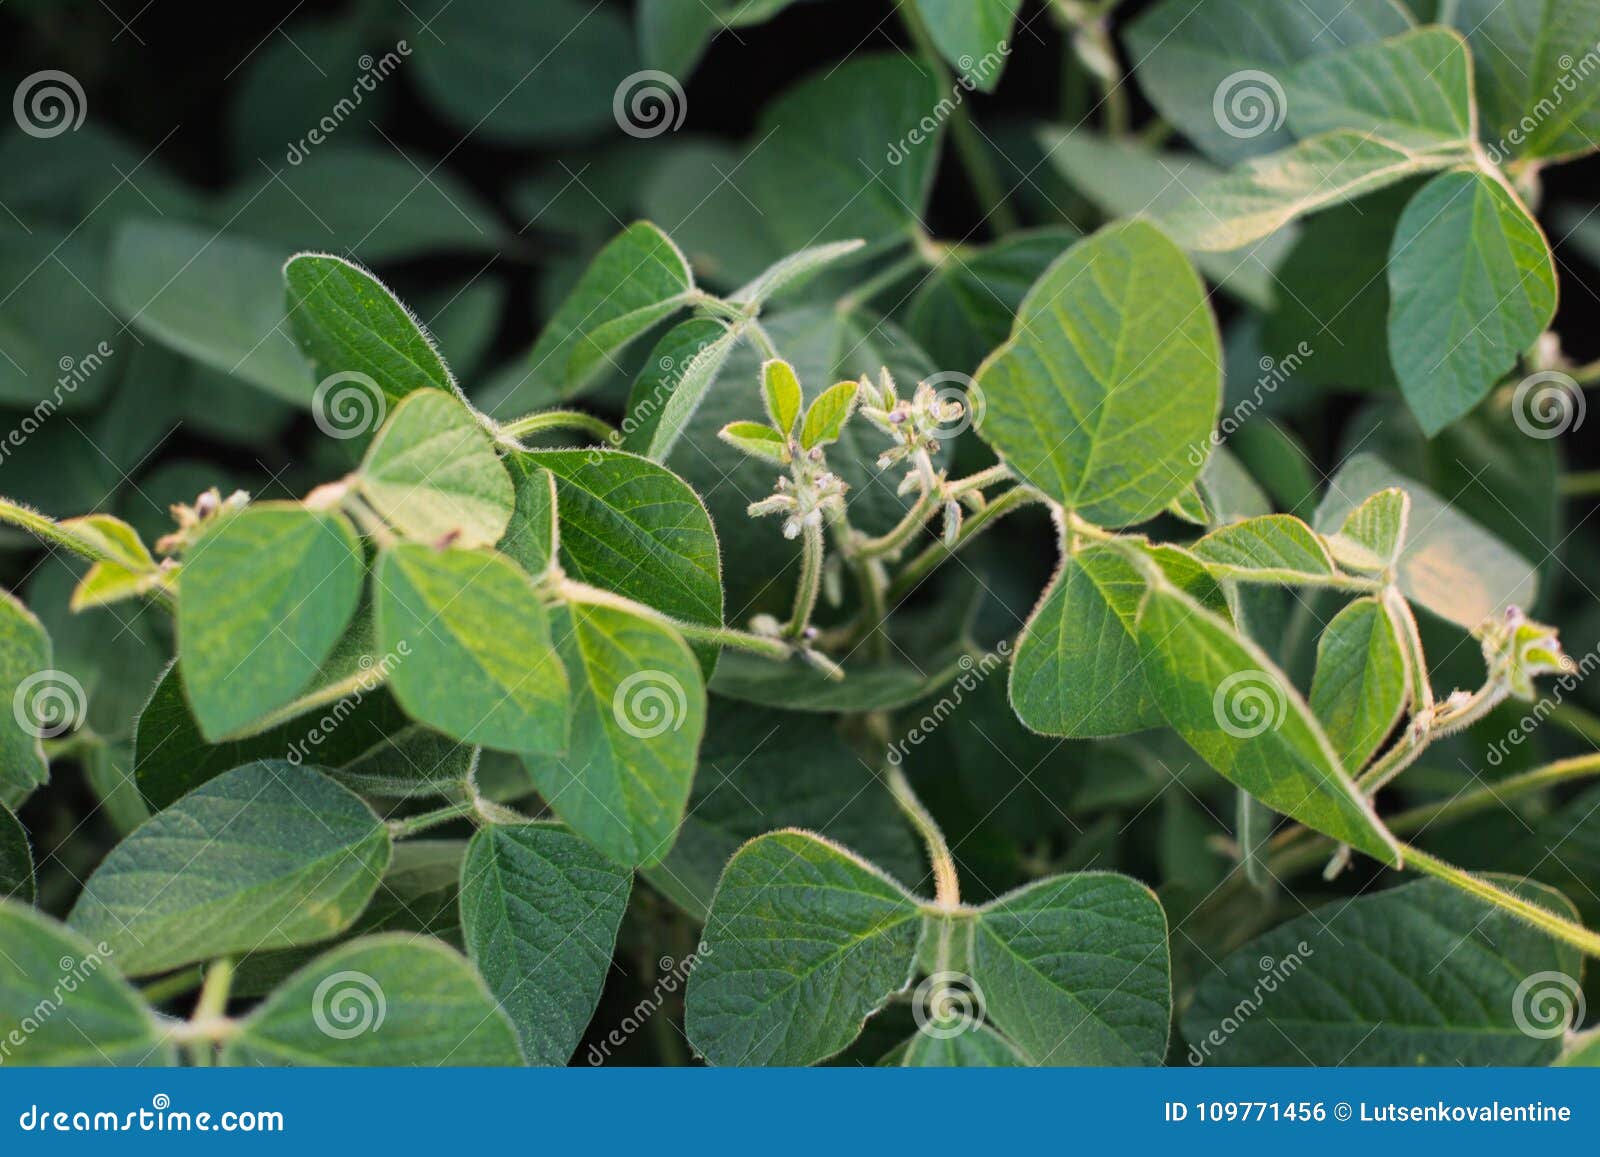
(976, 1047)
(805, 941)
(793, 271)
(1421, 974)
(1361, 683)
(25, 679)
(1266, 194)
(675, 379)
(780, 389)
(216, 299)
(826, 416)
(264, 596)
(392, 1000)
(1274, 548)
(1414, 90)
(432, 473)
(1450, 564)
(756, 440)
(269, 855)
(638, 711)
(1111, 377)
(1374, 535)
(1075, 970)
(100, 1020)
(16, 860)
(540, 910)
(1242, 715)
(973, 35)
(478, 662)
(1472, 284)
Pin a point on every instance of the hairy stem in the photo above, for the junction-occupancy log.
(919, 568)
(413, 825)
(810, 584)
(946, 885)
(694, 632)
(562, 420)
(1546, 921)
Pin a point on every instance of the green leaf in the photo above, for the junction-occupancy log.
(16, 860)
(637, 280)
(1274, 548)
(1111, 376)
(1359, 691)
(756, 440)
(676, 377)
(780, 389)
(215, 299)
(1241, 714)
(792, 272)
(805, 941)
(976, 1047)
(98, 1020)
(1450, 564)
(269, 855)
(395, 1000)
(1214, 67)
(1472, 284)
(479, 664)
(1075, 970)
(973, 35)
(1076, 671)
(1414, 90)
(432, 473)
(1374, 534)
(1264, 195)
(540, 910)
(868, 684)
(1534, 102)
(638, 711)
(411, 762)
(264, 597)
(636, 529)
(827, 415)
(26, 679)
(61, 341)
(1417, 975)
(674, 33)
(533, 537)
(351, 326)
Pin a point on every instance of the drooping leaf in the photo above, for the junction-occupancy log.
(793, 271)
(532, 538)
(98, 1020)
(26, 682)
(1111, 376)
(540, 910)
(432, 473)
(1361, 682)
(268, 855)
(638, 711)
(395, 999)
(1374, 534)
(265, 596)
(479, 662)
(1244, 718)
(680, 370)
(16, 860)
(1075, 970)
(805, 941)
(1472, 284)
(1415, 975)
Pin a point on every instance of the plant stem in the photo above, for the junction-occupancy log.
(1576, 720)
(979, 481)
(412, 825)
(1490, 795)
(163, 990)
(925, 507)
(946, 885)
(562, 420)
(904, 267)
(1585, 484)
(47, 529)
(695, 632)
(213, 1002)
(919, 568)
(1543, 919)
(363, 682)
(810, 584)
